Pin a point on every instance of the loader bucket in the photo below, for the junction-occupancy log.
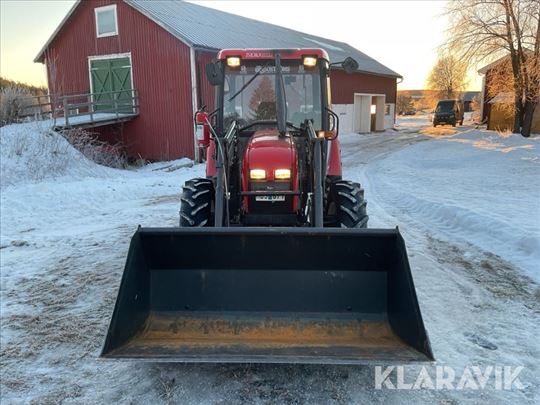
(267, 295)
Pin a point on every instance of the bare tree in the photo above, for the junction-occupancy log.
(51, 60)
(404, 103)
(500, 87)
(484, 30)
(262, 100)
(14, 101)
(448, 76)
(427, 101)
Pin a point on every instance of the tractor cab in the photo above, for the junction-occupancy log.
(251, 88)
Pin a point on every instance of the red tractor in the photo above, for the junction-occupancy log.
(259, 269)
(273, 147)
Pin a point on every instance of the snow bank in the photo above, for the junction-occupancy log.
(31, 152)
(477, 186)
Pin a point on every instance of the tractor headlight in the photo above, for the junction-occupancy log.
(310, 61)
(282, 174)
(233, 61)
(257, 174)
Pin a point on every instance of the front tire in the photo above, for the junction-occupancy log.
(346, 207)
(196, 203)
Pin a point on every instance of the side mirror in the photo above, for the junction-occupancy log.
(350, 65)
(215, 74)
(333, 124)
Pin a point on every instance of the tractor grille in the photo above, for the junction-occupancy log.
(269, 186)
(270, 207)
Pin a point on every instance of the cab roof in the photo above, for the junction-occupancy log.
(265, 53)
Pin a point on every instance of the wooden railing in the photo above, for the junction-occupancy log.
(65, 108)
(39, 106)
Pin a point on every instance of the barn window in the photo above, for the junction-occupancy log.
(106, 21)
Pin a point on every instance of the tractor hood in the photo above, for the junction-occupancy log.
(269, 151)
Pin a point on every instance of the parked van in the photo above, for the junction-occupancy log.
(448, 112)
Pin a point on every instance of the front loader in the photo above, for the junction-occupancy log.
(272, 261)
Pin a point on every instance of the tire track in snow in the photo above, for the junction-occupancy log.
(494, 232)
(477, 308)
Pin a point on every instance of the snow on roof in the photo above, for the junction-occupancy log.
(203, 27)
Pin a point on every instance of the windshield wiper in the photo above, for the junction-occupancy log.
(249, 81)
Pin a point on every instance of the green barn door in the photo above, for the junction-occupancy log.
(111, 78)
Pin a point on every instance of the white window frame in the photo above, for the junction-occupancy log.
(97, 10)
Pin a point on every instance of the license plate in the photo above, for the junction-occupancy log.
(271, 198)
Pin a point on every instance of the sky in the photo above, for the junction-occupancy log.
(403, 35)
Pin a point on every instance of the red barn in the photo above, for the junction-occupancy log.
(146, 59)
(497, 110)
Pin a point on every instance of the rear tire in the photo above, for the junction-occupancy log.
(346, 206)
(196, 203)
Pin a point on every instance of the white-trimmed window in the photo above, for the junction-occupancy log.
(106, 21)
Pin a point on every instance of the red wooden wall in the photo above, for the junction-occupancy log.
(487, 96)
(161, 73)
(344, 85)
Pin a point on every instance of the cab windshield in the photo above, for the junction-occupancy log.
(256, 101)
(445, 106)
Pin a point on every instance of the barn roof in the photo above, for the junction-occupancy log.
(485, 69)
(203, 27)
(469, 95)
(495, 63)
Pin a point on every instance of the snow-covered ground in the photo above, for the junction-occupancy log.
(474, 186)
(467, 203)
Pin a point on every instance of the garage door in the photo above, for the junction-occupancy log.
(111, 78)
